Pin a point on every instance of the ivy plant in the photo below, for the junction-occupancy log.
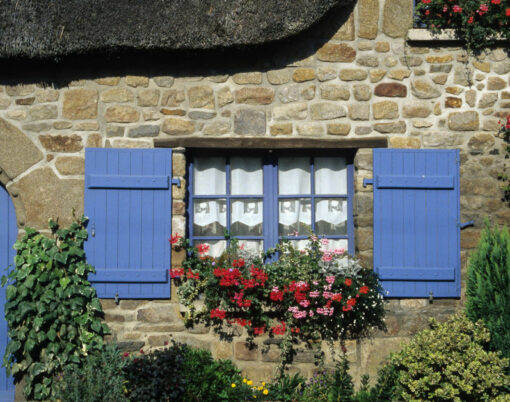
(53, 313)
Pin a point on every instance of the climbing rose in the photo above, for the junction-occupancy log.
(203, 248)
(508, 12)
(457, 9)
(363, 289)
(470, 20)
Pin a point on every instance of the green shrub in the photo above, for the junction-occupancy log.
(286, 387)
(211, 380)
(53, 313)
(157, 376)
(488, 286)
(449, 362)
(99, 379)
(181, 373)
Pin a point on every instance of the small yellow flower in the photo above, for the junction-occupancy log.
(244, 380)
(233, 385)
(263, 383)
(265, 392)
(249, 382)
(260, 388)
(255, 396)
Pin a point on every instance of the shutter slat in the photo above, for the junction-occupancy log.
(130, 275)
(416, 273)
(127, 182)
(416, 211)
(129, 201)
(436, 182)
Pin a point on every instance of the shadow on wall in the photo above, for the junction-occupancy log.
(182, 63)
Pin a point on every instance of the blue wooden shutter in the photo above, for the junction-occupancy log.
(416, 222)
(128, 199)
(8, 235)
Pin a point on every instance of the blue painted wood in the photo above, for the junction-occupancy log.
(129, 202)
(391, 181)
(416, 224)
(416, 273)
(8, 235)
(122, 181)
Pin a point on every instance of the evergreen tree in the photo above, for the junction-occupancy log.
(488, 286)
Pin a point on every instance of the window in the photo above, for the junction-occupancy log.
(260, 198)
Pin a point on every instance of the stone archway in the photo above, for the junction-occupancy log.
(40, 194)
(17, 154)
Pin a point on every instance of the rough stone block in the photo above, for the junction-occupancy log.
(172, 97)
(351, 74)
(80, 104)
(303, 74)
(391, 90)
(326, 111)
(242, 351)
(70, 165)
(119, 95)
(359, 111)
(334, 92)
(463, 121)
(336, 52)
(405, 142)
(176, 126)
(385, 110)
(61, 143)
(255, 96)
(137, 81)
(148, 97)
(298, 111)
(122, 114)
(144, 131)
(250, 122)
(278, 77)
(424, 89)
(281, 129)
(368, 18)
(338, 129)
(397, 18)
(391, 128)
(247, 78)
(201, 97)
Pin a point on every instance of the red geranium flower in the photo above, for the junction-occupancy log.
(174, 239)
(364, 290)
(203, 248)
(507, 12)
(348, 281)
(218, 313)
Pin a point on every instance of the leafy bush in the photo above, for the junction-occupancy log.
(52, 311)
(181, 373)
(475, 22)
(100, 379)
(488, 286)
(285, 387)
(157, 376)
(448, 362)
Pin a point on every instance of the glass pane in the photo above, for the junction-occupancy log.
(330, 216)
(300, 244)
(330, 176)
(209, 217)
(216, 247)
(295, 215)
(252, 247)
(246, 176)
(209, 176)
(294, 175)
(246, 218)
(335, 244)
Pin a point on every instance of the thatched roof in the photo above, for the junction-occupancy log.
(58, 28)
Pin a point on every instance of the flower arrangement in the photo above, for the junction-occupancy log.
(310, 294)
(477, 23)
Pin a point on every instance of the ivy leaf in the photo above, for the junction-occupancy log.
(29, 282)
(64, 282)
(38, 321)
(52, 335)
(10, 292)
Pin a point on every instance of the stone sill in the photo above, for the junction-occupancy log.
(424, 35)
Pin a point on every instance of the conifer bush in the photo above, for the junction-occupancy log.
(488, 286)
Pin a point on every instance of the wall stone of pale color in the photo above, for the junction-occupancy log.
(364, 80)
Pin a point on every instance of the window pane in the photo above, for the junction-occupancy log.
(209, 217)
(300, 244)
(209, 176)
(246, 176)
(336, 244)
(246, 218)
(331, 216)
(216, 247)
(330, 176)
(294, 175)
(295, 215)
(252, 247)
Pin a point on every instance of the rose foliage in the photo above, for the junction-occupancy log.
(477, 22)
(304, 294)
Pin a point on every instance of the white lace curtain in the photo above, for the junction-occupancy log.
(210, 179)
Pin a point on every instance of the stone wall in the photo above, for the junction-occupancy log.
(362, 81)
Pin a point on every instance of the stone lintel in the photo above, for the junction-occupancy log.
(271, 143)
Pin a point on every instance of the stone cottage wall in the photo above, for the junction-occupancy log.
(363, 81)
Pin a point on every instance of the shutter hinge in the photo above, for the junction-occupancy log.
(176, 181)
(366, 182)
(465, 224)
